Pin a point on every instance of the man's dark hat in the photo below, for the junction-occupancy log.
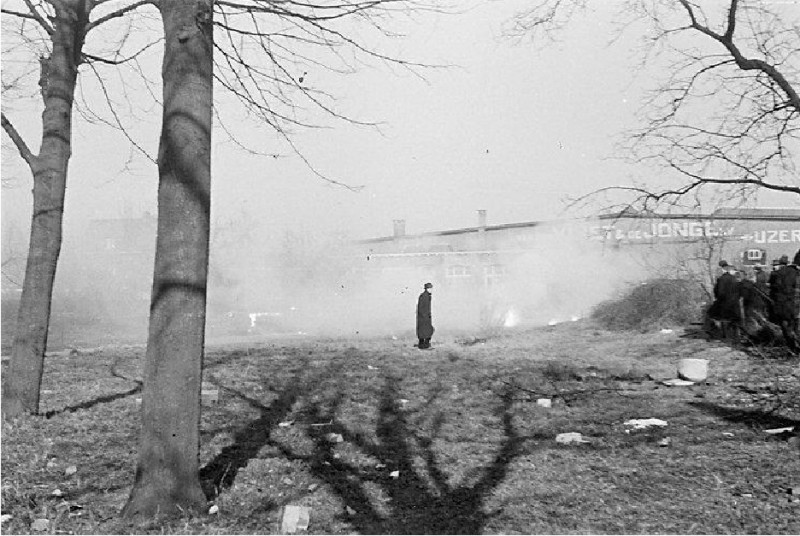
(428, 285)
(723, 264)
(784, 259)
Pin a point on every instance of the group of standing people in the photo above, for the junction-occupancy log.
(741, 301)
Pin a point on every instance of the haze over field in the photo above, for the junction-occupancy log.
(508, 127)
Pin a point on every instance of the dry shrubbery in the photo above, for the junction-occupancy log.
(654, 304)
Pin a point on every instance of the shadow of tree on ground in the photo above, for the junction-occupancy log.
(755, 418)
(419, 500)
(93, 402)
(220, 472)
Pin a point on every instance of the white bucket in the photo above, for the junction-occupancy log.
(694, 370)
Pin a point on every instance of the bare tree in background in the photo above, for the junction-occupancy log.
(728, 112)
(59, 28)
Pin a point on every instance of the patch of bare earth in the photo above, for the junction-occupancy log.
(375, 437)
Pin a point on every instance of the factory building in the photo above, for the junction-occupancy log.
(575, 260)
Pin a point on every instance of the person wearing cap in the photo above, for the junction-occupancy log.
(783, 292)
(726, 307)
(424, 324)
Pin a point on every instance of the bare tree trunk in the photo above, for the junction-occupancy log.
(167, 481)
(58, 75)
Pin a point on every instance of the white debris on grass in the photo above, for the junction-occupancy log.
(295, 518)
(666, 331)
(776, 431)
(6, 517)
(214, 509)
(395, 474)
(57, 493)
(284, 424)
(677, 382)
(569, 438)
(544, 402)
(639, 424)
(334, 438)
(71, 470)
(40, 525)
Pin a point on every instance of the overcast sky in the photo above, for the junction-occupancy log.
(510, 128)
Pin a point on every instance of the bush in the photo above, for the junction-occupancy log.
(654, 304)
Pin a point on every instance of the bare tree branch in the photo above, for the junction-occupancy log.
(19, 142)
(120, 13)
(725, 118)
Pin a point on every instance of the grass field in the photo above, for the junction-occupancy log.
(449, 440)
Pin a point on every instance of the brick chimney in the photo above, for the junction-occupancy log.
(399, 228)
(482, 220)
(482, 228)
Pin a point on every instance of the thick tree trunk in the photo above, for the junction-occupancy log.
(166, 481)
(58, 75)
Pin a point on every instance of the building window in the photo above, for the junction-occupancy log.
(495, 270)
(493, 273)
(754, 254)
(459, 270)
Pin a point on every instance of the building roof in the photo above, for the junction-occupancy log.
(766, 214)
(759, 213)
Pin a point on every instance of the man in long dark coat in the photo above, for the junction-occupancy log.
(783, 291)
(726, 307)
(424, 323)
(753, 300)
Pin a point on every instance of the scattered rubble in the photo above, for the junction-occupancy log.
(40, 525)
(334, 438)
(295, 518)
(569, 438)
(677, 382)
(71, 470)
(640, 424)
(778, 431)
(694, 370)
